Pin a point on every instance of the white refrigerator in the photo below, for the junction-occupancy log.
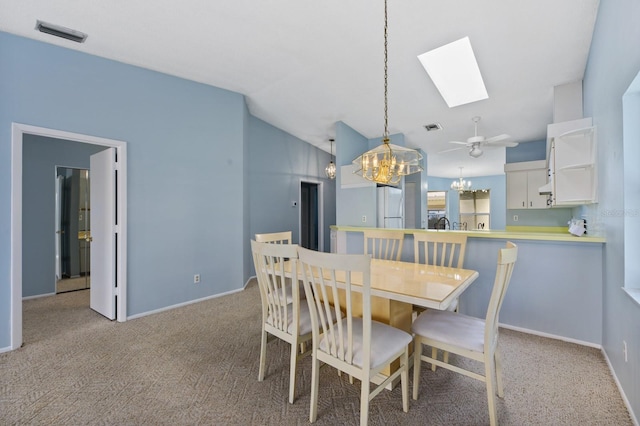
(390, 207)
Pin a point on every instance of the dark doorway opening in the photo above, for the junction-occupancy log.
(309, 215)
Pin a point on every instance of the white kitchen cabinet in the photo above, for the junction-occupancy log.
(573, 168)
(523, 181)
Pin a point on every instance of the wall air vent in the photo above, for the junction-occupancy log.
(433, 126)
(58, 31)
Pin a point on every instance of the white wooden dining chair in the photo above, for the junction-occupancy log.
(468, 336)
(283, 315)
(383, 244)
(440, 249)
(356, 345)
(283, 237)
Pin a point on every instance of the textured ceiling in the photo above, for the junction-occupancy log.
(303, 65)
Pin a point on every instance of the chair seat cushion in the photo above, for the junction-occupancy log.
(305, 319)
(451, 328)
(385, 342)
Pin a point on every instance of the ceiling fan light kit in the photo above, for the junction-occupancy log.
(475, 150)
(476, 142)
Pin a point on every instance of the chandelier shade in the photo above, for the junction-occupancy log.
(387, 163)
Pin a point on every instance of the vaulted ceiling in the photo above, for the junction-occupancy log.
(303, 65)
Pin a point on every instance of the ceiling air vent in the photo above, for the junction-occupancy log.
(433, 126)
(58, 31)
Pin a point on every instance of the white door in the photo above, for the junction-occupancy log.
(103, 233)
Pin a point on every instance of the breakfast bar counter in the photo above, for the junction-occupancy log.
(515, 233)
(556, 288)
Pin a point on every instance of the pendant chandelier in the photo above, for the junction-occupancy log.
(387, 163)
(330, 170)
(461, 184)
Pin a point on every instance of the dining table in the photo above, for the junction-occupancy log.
(397, 286)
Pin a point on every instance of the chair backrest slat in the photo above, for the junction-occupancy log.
(383, 244)
(276, 295)
(328, 280)
(439, 248)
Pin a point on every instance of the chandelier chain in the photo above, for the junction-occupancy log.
(387, 164)
(386, 106)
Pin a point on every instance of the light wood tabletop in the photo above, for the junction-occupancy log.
(434, 287)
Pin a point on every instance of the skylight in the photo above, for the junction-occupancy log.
(454, 71)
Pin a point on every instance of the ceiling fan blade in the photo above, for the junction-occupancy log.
(509, 144)
(498, 138)
(459, 143)
(449, 150)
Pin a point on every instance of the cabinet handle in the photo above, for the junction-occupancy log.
(523, 204)
(530, 203)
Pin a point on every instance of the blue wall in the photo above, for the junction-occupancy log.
(277, 163)
(528, 151)
(352, 203)
(188, 166)
(182, 136)
(614, 61)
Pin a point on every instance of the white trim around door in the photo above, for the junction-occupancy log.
(17, 133)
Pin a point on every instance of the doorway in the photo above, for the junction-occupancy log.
(311, 216)
(18, 133)
(436, 208)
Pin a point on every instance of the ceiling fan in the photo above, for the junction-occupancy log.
(475, 143)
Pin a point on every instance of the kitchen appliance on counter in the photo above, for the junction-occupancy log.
(390, 207)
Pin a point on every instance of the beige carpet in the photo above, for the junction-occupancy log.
(198, 365)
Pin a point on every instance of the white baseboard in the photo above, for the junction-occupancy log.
(551, 336)
(168, 308)
(624, 396)
(5, 349)
(249, 280)
(38, 296)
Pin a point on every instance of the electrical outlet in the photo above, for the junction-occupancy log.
(515, 217)
(196, 278)
(624, 350)
(364, 218)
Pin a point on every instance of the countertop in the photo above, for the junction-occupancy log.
(529, 234)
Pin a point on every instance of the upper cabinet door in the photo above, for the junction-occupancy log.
(574, 174)
(517, 190)
(536, 179)
(523, 182)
